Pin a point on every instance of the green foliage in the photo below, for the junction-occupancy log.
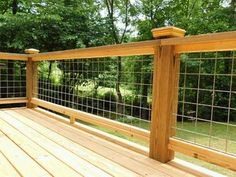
(193, 16)
(49, 25)
(55, 75)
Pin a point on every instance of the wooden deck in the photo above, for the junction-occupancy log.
(34, 144)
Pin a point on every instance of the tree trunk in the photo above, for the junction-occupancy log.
(49, 70)
(232, 13)
(10, 78)
(227, 68)
(118, 92)
(14, 7)
(10, 64)
(118, 39)
(144, 92)
(145, 113)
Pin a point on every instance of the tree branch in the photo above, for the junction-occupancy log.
(110, 9)
(126, 21)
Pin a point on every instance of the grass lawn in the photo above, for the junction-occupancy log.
(199, 134)
(212, 135)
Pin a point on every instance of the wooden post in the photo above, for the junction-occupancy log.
(165, 95)
(31, 77)
(72, 120)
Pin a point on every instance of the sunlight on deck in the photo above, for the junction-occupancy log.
(33, 143)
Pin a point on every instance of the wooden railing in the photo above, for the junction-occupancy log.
(168, 44)
(14, 57)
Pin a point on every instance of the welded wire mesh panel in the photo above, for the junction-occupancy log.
(114, 88)
(12, 79)
(207, 100)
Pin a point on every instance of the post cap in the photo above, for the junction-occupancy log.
(31, 51)
(167, 32)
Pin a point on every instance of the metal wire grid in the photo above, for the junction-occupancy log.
(207, 100)
(93, 85)
(12, 79)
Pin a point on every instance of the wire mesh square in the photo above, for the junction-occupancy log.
(207, 100)
(12, 79)
(115, 88)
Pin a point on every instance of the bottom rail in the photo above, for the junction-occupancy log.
(13, 100)
(203, 153)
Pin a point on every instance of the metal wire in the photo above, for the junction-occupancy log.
(12, 79)
(115, 88)
(207, 100)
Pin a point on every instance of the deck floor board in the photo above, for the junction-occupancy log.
(25, 165)
(69, 150)
(90, 156)
(6, 168)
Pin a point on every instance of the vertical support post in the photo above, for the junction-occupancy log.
(31, 77)
(29, 82)
(165, 95)
(72, 120)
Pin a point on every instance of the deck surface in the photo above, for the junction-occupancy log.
(33, 144)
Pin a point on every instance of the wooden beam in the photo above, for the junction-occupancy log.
(35, 80)
(29, 82)
(95, 120)
(13, 56)
(205, 42)
(13, 100)
(72, 120)
(203, 153)
(175, 89)
(112, 138)
(207, 47)
(165, 96)
(31, 77)
(198, 43)
(200, 39)
(128, 49)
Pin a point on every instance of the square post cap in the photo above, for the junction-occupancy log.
(168, 32)
(31, 51)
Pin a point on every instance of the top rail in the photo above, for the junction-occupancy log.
(203, 43)
(201, 38)
(128, 49)
(200, 43)
(13, 56)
